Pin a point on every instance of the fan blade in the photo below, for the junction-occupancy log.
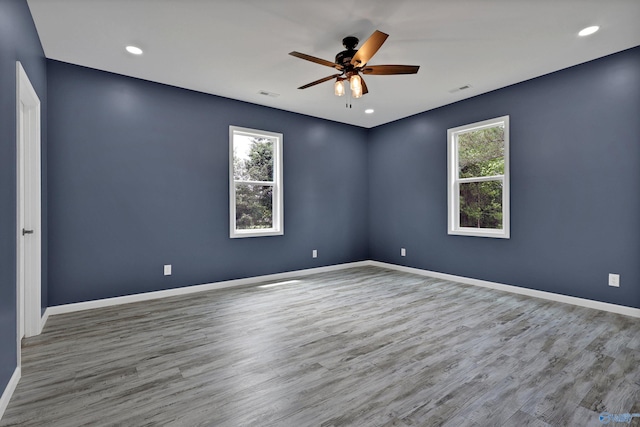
(316, 60)
(369, 48)
(365, 90)
(326, 79)
(385, 70)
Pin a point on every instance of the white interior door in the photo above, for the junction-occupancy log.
(29, 236)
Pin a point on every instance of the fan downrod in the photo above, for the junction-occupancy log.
(350, 42)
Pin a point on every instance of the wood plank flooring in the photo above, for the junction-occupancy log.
(362, 347)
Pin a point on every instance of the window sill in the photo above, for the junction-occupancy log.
(256, 233)
(475, 232)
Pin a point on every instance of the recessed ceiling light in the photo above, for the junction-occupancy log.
(369, 111)
(588, 31)
(134, 50)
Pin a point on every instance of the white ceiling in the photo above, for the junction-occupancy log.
(237, 48)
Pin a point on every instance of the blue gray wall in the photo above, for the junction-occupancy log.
(139, 175)
(575, 185)
(138, 178)
(18, 42)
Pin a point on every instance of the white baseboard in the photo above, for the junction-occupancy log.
(108, 302)
(582, 302)
(9, 389)
(43, 319)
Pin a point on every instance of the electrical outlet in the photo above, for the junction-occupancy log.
(314, 253)
(403, 252)
(167, 269)
(614, 280)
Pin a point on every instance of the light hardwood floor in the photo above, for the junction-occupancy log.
(364, 347)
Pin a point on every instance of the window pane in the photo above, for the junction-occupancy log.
(254, 206)
(481, 152)
(252, 158)
(481, 204)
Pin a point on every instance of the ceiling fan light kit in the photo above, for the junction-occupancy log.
(355, 83)
(351, 63)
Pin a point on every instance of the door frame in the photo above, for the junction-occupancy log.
(29, 202)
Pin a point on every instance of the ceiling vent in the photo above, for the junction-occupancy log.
(271, 94)
(458, 89)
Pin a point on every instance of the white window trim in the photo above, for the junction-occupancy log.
(454, 182)
(278, 211)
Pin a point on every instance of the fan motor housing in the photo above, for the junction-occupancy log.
(344, 58)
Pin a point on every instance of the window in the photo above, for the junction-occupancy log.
(255, 183)
(479, 179)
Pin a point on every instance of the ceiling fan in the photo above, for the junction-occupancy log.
(351, 63)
